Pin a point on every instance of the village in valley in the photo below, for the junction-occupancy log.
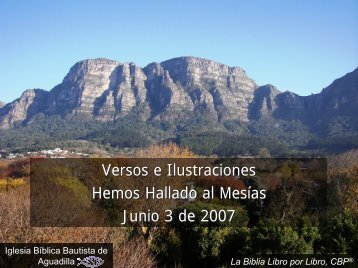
(49, 153)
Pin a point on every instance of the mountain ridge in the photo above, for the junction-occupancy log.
(176, 89)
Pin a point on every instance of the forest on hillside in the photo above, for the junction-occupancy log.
(231, 138)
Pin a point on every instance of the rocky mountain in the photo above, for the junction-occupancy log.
(2, 104)
(105, 90)
(30, 103)
(338, 99)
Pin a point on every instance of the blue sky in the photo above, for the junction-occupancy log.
(296, 45)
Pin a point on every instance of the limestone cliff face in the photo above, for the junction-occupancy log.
(30, 103)
(222, 91)
(264, 103)
(126, 91)
(103, 89)
(166, 98)
(86, 81)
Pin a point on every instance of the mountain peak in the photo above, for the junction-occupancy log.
(191, 70)
(196, 62)
(90, 65)
(190, 60)
(31, 102)
(348, 82)
(32, 91)
(175, 89)
(97, 61)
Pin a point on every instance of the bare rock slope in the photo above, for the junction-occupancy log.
(103, 89)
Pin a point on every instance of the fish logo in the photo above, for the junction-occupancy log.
(90, 262)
